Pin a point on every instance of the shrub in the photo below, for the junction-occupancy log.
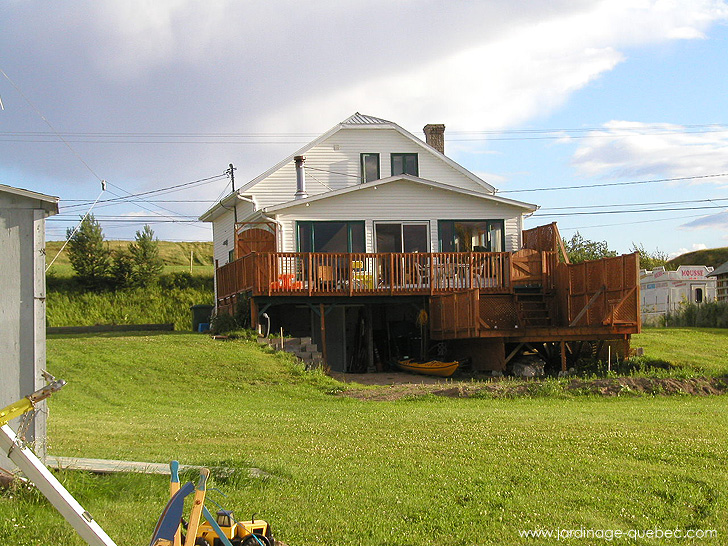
(712, 314)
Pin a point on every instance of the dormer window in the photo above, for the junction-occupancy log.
(369, 167)
(405, 164)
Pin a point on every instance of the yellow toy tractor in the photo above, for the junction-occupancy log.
(239, 533)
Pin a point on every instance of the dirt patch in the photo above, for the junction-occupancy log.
(395, 386)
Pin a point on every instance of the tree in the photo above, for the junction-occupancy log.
(580, 249)
(122, 269)
(145, 257)
(89, 255)
(650, 260)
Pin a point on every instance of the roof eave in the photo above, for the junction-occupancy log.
(528, 207)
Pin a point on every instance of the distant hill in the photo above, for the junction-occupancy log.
(712, 257)
(171, 253)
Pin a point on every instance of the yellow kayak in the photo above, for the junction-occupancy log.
(431, 367)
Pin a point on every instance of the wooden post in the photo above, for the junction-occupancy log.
(432, 274)
(253, 314)
(563, 356)
(322, 314)
(370, 339)
(391, 274)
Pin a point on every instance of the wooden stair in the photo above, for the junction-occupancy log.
(533, 310)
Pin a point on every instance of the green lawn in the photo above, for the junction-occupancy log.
(344, 471)
(702, 349)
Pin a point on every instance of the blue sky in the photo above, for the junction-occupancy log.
(533, 94)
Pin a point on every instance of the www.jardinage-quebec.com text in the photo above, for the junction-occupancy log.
(611, 534)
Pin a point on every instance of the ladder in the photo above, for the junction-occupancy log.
(38, 473)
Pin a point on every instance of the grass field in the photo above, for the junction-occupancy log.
(701, 350)
(172, 253)
(343, 471)
(182, 284)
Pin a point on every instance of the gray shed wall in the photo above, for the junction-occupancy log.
(22, 309)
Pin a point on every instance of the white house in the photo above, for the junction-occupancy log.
(22, 300)
(372, 241)
(664, 291)
(368, 185)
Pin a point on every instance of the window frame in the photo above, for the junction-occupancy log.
(349, 234)
(402, 224)
(488, 221)
(362, 167)
(404, 155)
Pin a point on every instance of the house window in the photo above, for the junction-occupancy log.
(231, 256)
(471, 235)
(405, 164)
(330, 236)
(401, 237)
(369, 167)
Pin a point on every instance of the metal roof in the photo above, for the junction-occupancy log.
(362, 119)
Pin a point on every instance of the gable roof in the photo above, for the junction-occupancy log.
(49, 203)
(361, 121)
(720, 270)
(398, 178)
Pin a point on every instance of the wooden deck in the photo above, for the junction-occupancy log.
(591, 300)
(371, 274)
(534, 294)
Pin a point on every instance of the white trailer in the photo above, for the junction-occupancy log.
(664, 291)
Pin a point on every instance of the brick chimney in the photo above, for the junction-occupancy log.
(435, 136)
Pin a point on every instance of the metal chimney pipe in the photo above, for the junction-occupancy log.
(300, 178)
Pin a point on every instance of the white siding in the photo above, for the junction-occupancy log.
(401, 201)
(335, 164)
(222, 230)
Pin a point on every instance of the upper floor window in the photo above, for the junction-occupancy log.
(369, 167)
(405, 164)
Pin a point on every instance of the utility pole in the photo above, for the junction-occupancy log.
(231, 173)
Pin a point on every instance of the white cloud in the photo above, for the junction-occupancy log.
(695, 247)
(626, 148)
(219, 66)
(525, 71)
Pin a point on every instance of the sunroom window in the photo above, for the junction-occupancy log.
(471, 235)
(331, 236)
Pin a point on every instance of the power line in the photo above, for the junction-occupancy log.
(636, 211)
(487, 134)
(606, 184)
(168, 189)
(561, 228)
(633, 204)
(48, 123)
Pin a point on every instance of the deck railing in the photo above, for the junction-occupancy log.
(361, 274)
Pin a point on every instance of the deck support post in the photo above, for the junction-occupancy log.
(370, 339)
(253, 314)
(322, 315)
(563, 355)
